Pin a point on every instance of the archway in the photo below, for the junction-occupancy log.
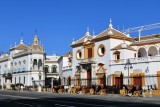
(34, 63)
(39, 63)
(142, 52)
(152, 51)
(54, 69)
(46, 68)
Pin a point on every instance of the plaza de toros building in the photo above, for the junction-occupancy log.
(112, 53)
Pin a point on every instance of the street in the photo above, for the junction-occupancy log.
(46, 99)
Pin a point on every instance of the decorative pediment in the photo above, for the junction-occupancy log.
(87, 42)
(101, 70)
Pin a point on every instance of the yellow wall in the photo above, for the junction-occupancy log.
(114, 76)
(158, 74)
(86, 50)
(137, 74)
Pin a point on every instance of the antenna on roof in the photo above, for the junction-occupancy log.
(139, 29)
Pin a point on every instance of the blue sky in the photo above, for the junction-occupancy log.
(58, 21)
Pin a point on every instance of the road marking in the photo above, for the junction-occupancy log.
(17, 103)
(63, 105)
(74, 103)
(17, 96)
(24, 104)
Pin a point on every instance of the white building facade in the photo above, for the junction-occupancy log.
(65, 68)
(113, 53)
(24, 65)
(51, 69)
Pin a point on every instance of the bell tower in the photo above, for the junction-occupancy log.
(35, 40)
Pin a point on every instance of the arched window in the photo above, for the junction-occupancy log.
(19, 62)
(34, 62)
(15, 63)
(142, 52)
(152, 51)
(54, 69)
(39, 63)
(46, 69)
(24, 61)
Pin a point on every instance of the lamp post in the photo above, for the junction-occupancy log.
(39, 74)
(80, 69)
(33, 85)
(128, 66)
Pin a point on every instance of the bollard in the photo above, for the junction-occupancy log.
(143, 91)
(150, 93)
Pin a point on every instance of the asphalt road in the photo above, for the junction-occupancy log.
(35, 99)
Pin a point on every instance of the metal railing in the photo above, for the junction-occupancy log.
(88, 60)
(136, 60)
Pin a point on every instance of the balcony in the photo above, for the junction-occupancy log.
(137, 60)
(87, 61)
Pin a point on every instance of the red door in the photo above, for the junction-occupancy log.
(101, 81)
(88, 77)
(118, 82)
(89, 52)
(138, 81)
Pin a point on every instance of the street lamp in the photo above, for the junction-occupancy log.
(128, 66)
(79, 70)
(39, 74)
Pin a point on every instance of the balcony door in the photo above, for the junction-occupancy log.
(89, 52)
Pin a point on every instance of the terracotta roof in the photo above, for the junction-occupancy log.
(153, 41)
(114, 31)
(152, 36)
(147, 37)
(80, 41)
(21, 47)
(123, 46)
(36, 46)
(67, 54)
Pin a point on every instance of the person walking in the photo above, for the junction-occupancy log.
(21, 88)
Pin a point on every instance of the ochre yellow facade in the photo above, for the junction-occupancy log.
(158, 77)
(114, 77)
(137, 75)
(86, 46)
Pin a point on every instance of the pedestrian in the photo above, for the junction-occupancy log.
(21, 88)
